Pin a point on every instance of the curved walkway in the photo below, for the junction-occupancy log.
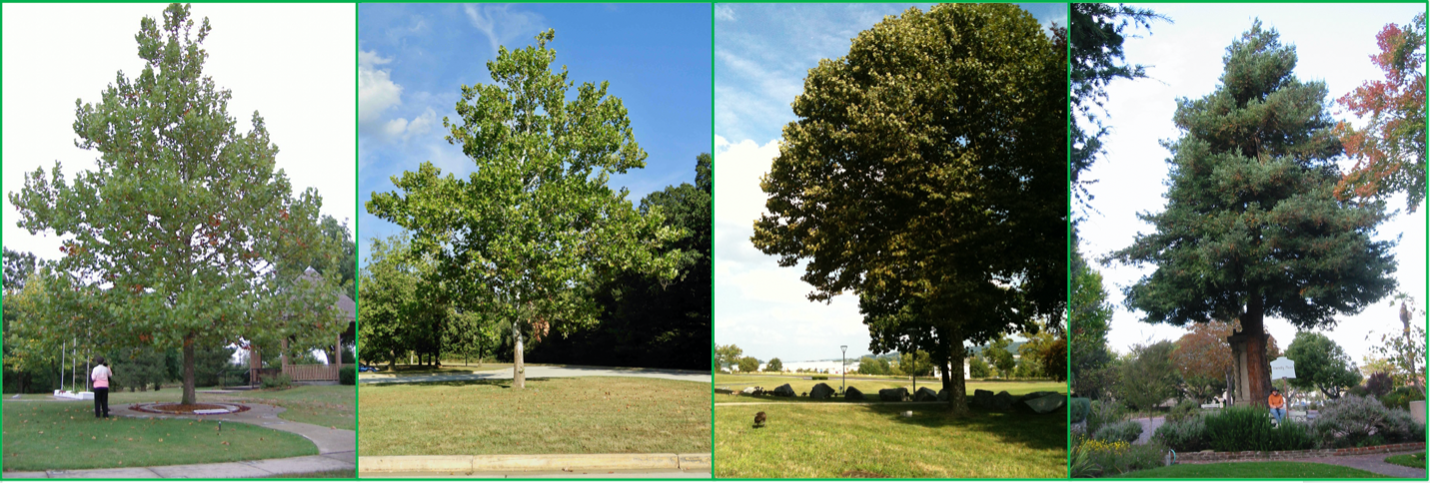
(1371, 463)
(537, 372)
(337, 450)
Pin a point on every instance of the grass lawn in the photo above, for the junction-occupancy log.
(328, 474)
(1413, 460)
(1259, 469)
(53, 435)
(581, 415)
(331, 406)
(811, 440)
(870, 387)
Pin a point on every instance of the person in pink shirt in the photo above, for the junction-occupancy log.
(100, 376)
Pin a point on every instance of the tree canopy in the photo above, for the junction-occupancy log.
(1390, 150)
(184, 235)
(1322, 364)
(926, 174)
(1252, 226)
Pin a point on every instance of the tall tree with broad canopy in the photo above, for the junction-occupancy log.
(1390, 150)
(1252, 226)
(184, 235)
(529, 234)
(1322, 363)
(926, 173)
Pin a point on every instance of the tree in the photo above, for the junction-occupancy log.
(873, 366)
(534, 230)
(1000, 357)
(1320, 362)
(1252, 227)
(1096, 34)
(1089, 320)
(184, 235)
(1148, 376)
(1203, 359)
(774, 365)
(727, 356)
(1404, 355)
(1390, 150)
(389, 295)
(749, 364)
(915, 364)
(926, 174)
(978, 368)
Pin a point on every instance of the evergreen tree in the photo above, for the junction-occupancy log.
(1252, 226)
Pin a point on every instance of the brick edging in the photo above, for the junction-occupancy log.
(1217, 456)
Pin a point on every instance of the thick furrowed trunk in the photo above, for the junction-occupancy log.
(518, 367)
(957, 399)
(189, 397)
(1252, 371)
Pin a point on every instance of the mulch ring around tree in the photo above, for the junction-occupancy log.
(198, 409)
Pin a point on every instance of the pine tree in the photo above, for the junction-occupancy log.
(1252, 226)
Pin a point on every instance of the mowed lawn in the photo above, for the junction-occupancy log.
(1413, 460)
(578, 415)
(870, 387)
(844, 440)
(1260, 469)
(55, 435)
(329, 406)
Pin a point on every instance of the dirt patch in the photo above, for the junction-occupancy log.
(189, 409)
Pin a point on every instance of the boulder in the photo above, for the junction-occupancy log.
(853, 394)
(1043, 403)
(894, 395)
(982, 399)
(943, 395)
(821, 391)
(783, 391)
(925, 394)
(749, 390)
(1002, 401)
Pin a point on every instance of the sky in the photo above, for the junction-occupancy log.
(291, 63)
(762, 53)
(1333, 44)
(413, 60)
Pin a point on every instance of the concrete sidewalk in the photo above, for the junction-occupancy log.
(537, 372)
(337, 450)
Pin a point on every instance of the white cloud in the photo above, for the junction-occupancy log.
(724, 12)
(400, 128)
(500, 24)
(376, 91)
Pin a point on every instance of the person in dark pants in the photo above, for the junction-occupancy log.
(100, 376)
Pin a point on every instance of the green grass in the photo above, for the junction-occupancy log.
(327, 474)
(581, 415)
(1413, 460)
(811, 440)
(330, 406)
(67, 436)
(870, 387)
(1259, 469)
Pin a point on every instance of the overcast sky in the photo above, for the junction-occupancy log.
(1332, 42)
(414, 58)
(762, 53)
(291, 63)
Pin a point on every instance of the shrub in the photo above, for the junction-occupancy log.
(1400, 398)
(1183, 410)
(1104, 412)
(1126, 432)
(1118, 457)
(818, 378)
(1189, 434)
(347, 375)
(1247, 428)
(282, 381)
(1378, 384)
(1078, 408)
(1354, 421)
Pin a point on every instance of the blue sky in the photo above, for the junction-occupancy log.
(414, 58)
(762, 53)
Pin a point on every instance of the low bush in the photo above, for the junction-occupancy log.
(1186, 435)
(1117, 457)
(818, 378)
(347, 375)
(282, 381)
(1183, 410)
(1126, 432)
(1248, 428)
(1078, 408)
(1104, 412)
(1401, 397)
(1354, 421)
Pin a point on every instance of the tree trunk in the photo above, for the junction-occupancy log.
(518, 369)
(957, 402)
(1248, 352)
(189, 397)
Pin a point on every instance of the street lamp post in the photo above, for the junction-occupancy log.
(843, 369)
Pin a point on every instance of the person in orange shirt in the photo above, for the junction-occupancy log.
(1278, 406)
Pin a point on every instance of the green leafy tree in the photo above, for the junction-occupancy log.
(1148, 376)
(978, 368)
(534, 229)
(184, 235)
(727, 356)
(875, 366)
(1321, 363)
(1090, 319)
(915, 364)
(1001, 358)
(774, 365)
(1252, 226)
(926, 173)
(749, 364)
(1390, 150)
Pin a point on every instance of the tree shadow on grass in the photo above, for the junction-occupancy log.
(1039, 431)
